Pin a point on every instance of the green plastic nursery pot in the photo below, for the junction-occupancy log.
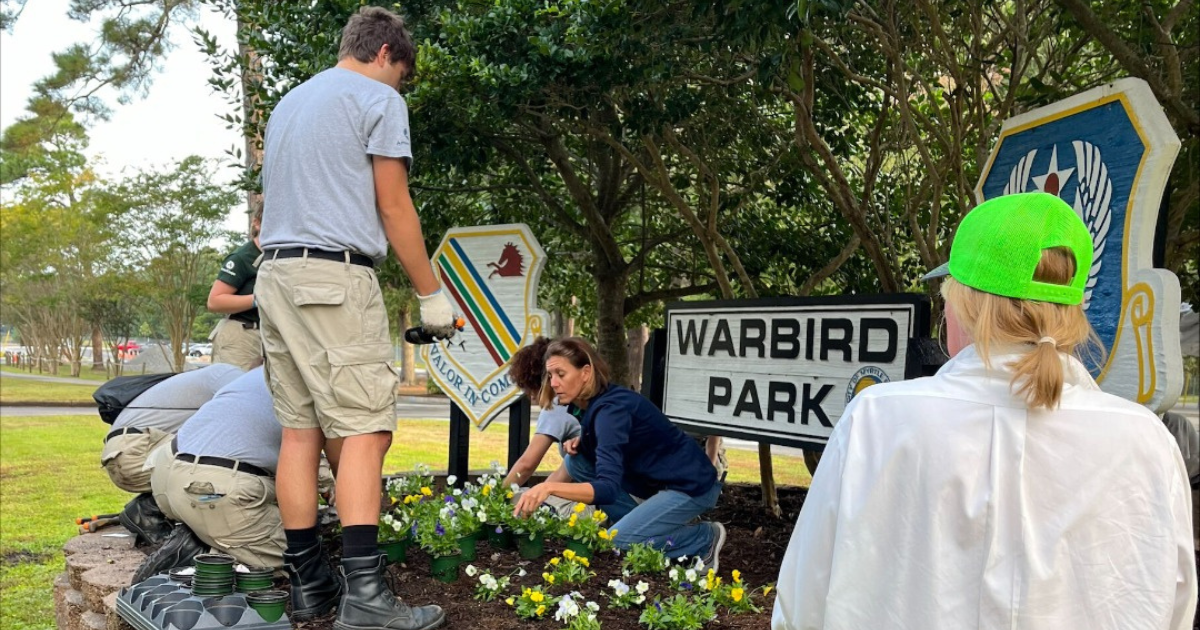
(466, 547)
(268, 604)
(580, 548)
(502, 539)
(214, 564)
(531, 548)
(396, 550)
(445, 568)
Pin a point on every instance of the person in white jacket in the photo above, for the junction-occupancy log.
(1007, 491)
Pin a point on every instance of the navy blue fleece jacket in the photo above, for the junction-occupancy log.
(637, 449)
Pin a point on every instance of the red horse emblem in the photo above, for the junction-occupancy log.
(511, 264)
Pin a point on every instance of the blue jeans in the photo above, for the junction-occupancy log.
(661, 521)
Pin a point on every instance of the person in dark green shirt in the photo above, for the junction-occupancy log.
(236, 339)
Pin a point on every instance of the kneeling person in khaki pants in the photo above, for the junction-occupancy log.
(222, 481)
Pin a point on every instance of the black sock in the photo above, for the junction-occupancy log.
(300, 539)
(360, 540)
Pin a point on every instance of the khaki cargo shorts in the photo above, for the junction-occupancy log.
(327, 345)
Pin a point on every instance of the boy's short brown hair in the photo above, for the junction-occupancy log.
(372, 27)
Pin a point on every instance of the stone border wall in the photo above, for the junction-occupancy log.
(85, 596)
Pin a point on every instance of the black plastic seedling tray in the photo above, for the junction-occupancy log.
(162, 604)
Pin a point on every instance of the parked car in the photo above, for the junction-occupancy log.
(200, 350)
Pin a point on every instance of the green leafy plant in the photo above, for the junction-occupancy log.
(576, 616)
(623, 596)
(571, 568)
(532, 603)
(588, 529)
(643, 559)
(541, 522)
(417, 484)
(435, 538)
(735, 596)
(490, 587)
(684, 578)
(394, 527)
(679, 612)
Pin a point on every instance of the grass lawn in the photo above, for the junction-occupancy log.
(17, 390)
(65, 371)
(50, 474)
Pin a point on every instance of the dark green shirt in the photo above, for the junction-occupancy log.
(239, 272)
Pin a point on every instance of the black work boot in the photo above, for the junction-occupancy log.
(180, 548)
(370, 605)
(315, 589)
(148, 523)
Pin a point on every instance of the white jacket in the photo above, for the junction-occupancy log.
(945, 503)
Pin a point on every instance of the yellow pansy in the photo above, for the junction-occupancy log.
(583, 561)
(599, 516)
(508, 495)
(571, 521)
(509, 601)
(579, 507)
(540, 610)
(737, 576)
(554, 561)
(426, 491)
(603, 533)
(549, 578)
(613, 533)
(568, 554)
(736, 594)
(767, 590)
(486, 490)
(536, 596)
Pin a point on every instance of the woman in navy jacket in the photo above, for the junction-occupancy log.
(629, 449)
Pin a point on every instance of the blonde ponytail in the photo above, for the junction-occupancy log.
(1042, 330)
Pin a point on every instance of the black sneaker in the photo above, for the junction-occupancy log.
(181, 547)
(713, 557)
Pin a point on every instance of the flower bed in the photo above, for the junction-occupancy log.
(754, 548)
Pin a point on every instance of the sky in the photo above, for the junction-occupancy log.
(178, 118)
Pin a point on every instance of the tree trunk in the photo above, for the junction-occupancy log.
(610, 323)
(97, 349)
(636, 346)
(408, 368)
(569, 328)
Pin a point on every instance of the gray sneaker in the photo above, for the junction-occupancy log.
(712, 559)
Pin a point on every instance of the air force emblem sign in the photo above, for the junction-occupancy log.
(491, 275)
(1108, 152)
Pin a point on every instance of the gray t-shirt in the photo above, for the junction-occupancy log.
(238, 423)
(169, 404)
(557, 423)
(317, 176)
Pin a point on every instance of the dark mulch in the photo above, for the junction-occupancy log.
(755, 545)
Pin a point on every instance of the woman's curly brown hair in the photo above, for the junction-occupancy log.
(528, 367)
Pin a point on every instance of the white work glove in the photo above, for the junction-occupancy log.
(437, 316)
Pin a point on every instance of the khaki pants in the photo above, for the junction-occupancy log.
(234, 512)
(236, 345)
(124, 458)
(159, 462)
(328, 347)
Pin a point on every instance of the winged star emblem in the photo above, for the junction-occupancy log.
(1093, 194)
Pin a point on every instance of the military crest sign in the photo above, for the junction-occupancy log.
(1108, 152)
(490, 274)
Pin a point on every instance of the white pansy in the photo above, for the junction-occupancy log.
(642, 587)
(471, 570)
(594, 607)
(619, 587)
(457, 492)
(690, 575)
(451, 479)
(521, 573)
(673, 574)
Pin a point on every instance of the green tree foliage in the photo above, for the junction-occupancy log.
(168, 221)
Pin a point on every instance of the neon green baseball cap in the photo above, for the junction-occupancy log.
(999, 244)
